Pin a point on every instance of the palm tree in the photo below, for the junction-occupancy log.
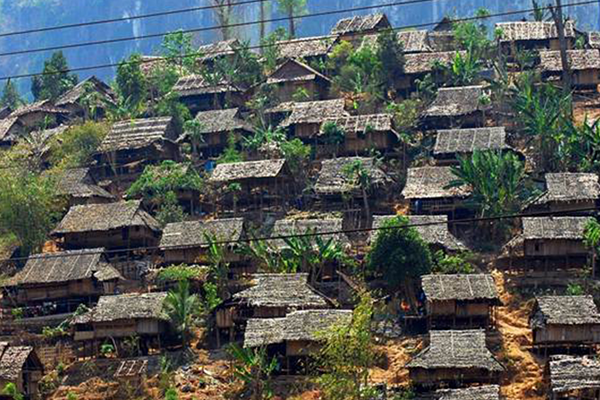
(254, 369)
(182, 307)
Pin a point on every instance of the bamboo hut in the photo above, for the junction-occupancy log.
(460, 300)
(574, 377)
(309, 49)
(457, 107)
(305, 119)
(200, 95)
(295, 337)
(132, 145)
(428, 193)
(442, 36)
(21, 366)
(454, 358)
(568, 192)
(484, 392)
(28, 118)
(293, 76)
(584, 66)
(80, 188)
(565, 321)
(532, 35)
(413, 41)
(89, 89)
(354, 28)
(67, 279)
(121, 225)
(418, 65)
(209, 53)
(450, 143)
(116, 318)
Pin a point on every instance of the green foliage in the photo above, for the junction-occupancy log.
(178, 50)
(218, 268)
(253, 368)
(169, 210)
(17, 313)
(211, 298)
(72, 396)
(399, 252)
(10, 96)
(170, 106)
(347, 354)
(473, 36)
(10, 389)
(231, 153)
(574, 289)
(301, 94)
(177, 273)
(182, 307)
(75, 146)
(107, 349)
(131, 84)
(194, 130)
(55, 79)
(451, 264)
(270, 50)
(406, 116)
(540, 13)
(171, 394)
(333, 134)
(292, 9)
(263, 136)
(465, 70)
(578, 146)
(51, 333)
(295, 153)
(390, 52)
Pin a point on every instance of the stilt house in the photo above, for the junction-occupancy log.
(568, 192)
(354, 28)
(81, 188)
(427, 191)
(450, 143)
(91, 90)
(306, 118)
(118, 225)
(293, 338)
(454, 358)
(565, 321)
(457, 107)
(532, 35)
(311, 49)
(460, 300)
(294, 78)
(21, 366)
(583, 64)
(485, 392)
(574, 377)
(200, 95)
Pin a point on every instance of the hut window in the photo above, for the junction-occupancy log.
(537, 247)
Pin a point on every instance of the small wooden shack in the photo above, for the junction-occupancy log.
(433, 229)
(92, 91)
(484, 392)
(450, 143)
(565, 321)
(121, 225)
(80, 188)
(294, 77)
(263, 184)
(200, 95)
(67, 279)
(363, 134)
(132, 145)
(460, 300)
(293, 338)
(354, 28)
(21, 366)
(418, 65)
(583, 64)
(308, 49)
(28, 118)
(306, 118)
(270, 296)
(427, 191)
(117, 318)
(457, 107)
(554, 236)
(532, 35)
(574, 377)
(10, 130)
(577, 193)
(454, 358)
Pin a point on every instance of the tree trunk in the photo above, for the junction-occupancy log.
(263, 27)
(292, 23)
(560, 27)
(366, 205)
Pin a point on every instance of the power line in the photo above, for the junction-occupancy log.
(313, 234)
(131, 18)
(312, 39)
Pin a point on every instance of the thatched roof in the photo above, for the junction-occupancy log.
(453, 141)
(262, 169)
(431, 183)
(422, 63)
(413, 41)
(333, 180)
(315, 112)
(532, 30)
(361, 23)
(286, 227)
(6, 125)
(43, 106)
(76, 94)
(12, 361)
(211, 51)
(193, 233)
(317, 46)
(296, 326)
(218, 121)
(105, 217)
(456, 350)
(136, 134)
(594, 40)
(196, 85)
(357, 124)
(293, 70)
(78, 183)
(435, 234)
(149, 64)
(571, 373)
(66, 266)
(486, 392)
(456, 102)
(462, 287)
(281, 290)
(126, 307)
(570, 187)
(579, 60)
(544, 228)
(564, 310)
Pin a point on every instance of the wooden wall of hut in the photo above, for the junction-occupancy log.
(566, 334)
(554, 248)
(60, 290)
(286, 91)
(113, 239)
(450, 376)
(354, 145)
(301, 348)
(460, 309)
(307, 131)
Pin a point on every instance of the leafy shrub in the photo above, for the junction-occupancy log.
(75, 146)
(451, 264)
(176, 273)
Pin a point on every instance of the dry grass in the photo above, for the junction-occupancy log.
(398, 353)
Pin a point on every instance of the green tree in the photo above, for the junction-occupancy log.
(182, 307)
(55, 79)
(451, 264)
(333, 135)
(195, 132)
(231, 153)
(346, 355)
(270, 49)
(225, 12)
(292, 9)
(473, 36)
(390, 52)
(254, 369)
(356, 173)
(10, 96)
(10, 389)
(591, 239)
(75, 146)
(296, 154)
(131, 84)
(170, 106)
(399, 253)
(178, 50)
(169, 210)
